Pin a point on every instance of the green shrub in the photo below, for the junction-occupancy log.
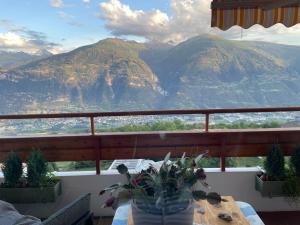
(82, 165)
(52, 166)
(295, 161)
(12, 169)
(274, 164)
(209, 162)
(291, 189)
(36, 169)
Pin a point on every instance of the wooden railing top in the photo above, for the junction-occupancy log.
(150, 113)
(154, 145)
(109, 146)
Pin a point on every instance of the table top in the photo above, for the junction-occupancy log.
(121, 215)
(212, 211)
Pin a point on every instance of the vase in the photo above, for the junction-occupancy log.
(172, 214)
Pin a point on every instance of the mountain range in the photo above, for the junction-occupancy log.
(114, 74)
(10, 60)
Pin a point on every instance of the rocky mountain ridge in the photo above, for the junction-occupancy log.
(113, 74)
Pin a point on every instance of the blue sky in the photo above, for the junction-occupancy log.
(40, 16)
(62, 25)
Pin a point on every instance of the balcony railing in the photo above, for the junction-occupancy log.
(109, 146)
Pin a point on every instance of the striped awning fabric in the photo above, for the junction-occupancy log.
(246, 13)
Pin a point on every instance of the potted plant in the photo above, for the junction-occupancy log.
(291, 186)
(270, 182)
(162, 194)
(295, 162)
(12, 170)
(37, 186)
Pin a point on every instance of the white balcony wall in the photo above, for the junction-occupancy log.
(237, 182)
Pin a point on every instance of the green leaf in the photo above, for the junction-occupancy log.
(213, 198)
(158, 202)
(102, 192)
(112, 187)
(122, 169)
(182, 160)
(127, 186)
(199, 157)
(124, 196)
(167, 157)
(199, 195)
(163, 172)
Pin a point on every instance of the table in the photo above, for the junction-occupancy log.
(121, 215)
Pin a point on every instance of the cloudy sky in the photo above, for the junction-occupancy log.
(62, 25)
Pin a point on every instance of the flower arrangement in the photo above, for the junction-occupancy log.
(157, 187)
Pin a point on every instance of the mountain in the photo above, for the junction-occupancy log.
(108, 75)
(9, 60)
(208, 72)
(114, 74)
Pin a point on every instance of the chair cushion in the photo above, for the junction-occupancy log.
(10, 216)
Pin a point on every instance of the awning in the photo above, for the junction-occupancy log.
(246, 13)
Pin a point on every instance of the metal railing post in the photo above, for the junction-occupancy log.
(223, 158)
(98, 155)
(206, 122)
(92, 121)
(223, 163)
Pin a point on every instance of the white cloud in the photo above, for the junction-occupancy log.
(188, 18)
(86, 1)
(276, 34)
(19, 38)
(55, 51)
(14, 42)
(56, 3)
(11, 40)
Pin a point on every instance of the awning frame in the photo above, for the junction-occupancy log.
(246, 13)
(263, 4)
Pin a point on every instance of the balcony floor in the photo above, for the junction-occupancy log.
(103, 221)
(269, 218)
(280, 218)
